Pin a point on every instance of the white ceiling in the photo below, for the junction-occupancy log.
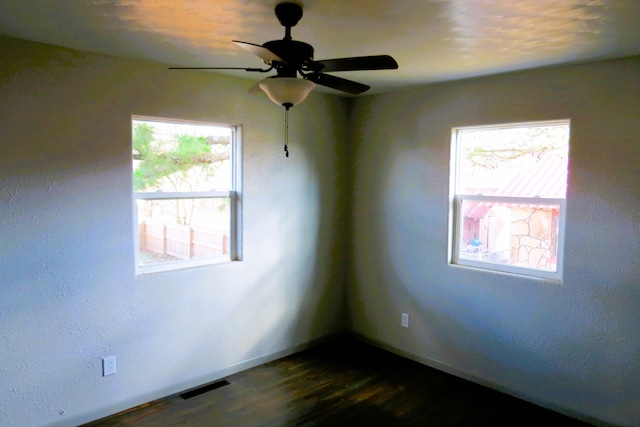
(432, 40)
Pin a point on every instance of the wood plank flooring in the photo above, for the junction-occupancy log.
(341, 383)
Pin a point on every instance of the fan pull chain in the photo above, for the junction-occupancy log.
(286, 131)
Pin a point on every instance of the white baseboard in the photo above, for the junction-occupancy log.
(177, 388)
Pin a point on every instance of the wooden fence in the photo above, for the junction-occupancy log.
(182, 241)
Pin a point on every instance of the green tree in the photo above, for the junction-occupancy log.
(176, 163)
(494, 148)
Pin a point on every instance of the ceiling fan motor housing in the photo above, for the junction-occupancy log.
(295, 54)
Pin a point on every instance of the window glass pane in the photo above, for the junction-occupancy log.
(184, 187)
(509, 186)
(523, 161)
(181, 157)
(515, 234)
(183, 229)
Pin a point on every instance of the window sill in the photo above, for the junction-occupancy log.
(526, 274)
(184, 265)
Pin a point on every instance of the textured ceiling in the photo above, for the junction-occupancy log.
(432, 40)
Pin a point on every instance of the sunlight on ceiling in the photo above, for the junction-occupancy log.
(432, 40)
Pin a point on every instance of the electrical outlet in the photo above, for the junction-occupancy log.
(108, 366)
(405, 320)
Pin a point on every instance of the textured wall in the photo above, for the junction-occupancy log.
(69, 296)
(68, 292)
(571, 346)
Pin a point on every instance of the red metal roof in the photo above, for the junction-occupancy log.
(547, 178)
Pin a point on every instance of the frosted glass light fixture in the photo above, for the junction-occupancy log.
(287, 91)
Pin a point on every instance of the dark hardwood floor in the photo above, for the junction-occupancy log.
(341, 383)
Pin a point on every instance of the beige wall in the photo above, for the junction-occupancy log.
(69, 295)
(572, 346)
(68, 291)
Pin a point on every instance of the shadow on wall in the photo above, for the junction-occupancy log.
(294, 295)
(540, 340)
(70, 294)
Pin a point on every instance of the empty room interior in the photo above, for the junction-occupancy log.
(357, 227)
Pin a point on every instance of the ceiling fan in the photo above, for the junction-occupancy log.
(291, 57)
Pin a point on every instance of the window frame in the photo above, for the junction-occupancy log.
(456, 220)
(234, 195)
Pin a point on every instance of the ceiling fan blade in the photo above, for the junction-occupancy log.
(358, 63)
(338, 83)
(260, 70)
(265, 54)
(255, 88)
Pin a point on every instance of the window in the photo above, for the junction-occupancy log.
(186, 184)
(508, 191)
